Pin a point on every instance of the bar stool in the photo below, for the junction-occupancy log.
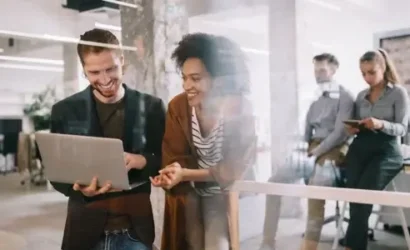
(400, 214)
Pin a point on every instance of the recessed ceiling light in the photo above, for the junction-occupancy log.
(64, 39)
(256, 51)
(321, 45)
(30, 67)
(107, 26)
(123, 4)
(327, 5)
(31, 60)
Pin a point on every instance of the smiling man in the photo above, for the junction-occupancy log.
(99, 217)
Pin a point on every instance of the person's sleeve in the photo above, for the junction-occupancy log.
(154, 134)
(399, 126)
(56, 126)
(339, 134)
(308, 127)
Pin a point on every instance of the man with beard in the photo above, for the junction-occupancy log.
(99, 217)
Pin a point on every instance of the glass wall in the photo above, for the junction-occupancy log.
(280, 39)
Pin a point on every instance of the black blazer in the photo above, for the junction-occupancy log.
(144, 125)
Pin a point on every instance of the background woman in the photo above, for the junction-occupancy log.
(209, 143)
(374, 157)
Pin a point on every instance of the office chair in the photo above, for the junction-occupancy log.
(340, 183)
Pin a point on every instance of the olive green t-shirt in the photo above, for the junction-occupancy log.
(111, 118)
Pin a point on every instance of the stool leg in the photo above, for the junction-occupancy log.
(376, 223)
(403, 220)
(233, 220)
(339, 226)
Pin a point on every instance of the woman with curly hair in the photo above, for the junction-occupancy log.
(209, 142)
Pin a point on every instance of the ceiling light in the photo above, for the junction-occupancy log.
(107, 26)
(29, 67)
(32, 60)
(1, 50)
(123, 4)
(326, 5)
(256, 51)
(321, 45)
(63, 39)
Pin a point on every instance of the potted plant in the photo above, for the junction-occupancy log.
(39, 111)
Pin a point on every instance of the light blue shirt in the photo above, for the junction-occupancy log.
(324, 120)
(392, 108)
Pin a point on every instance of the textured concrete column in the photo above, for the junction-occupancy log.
(154, 28)
(283, 77)
(284, 89)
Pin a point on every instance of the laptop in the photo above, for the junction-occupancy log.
(75, 158)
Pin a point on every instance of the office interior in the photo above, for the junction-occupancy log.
(39, 66)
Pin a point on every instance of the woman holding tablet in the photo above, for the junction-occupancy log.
(374, 157)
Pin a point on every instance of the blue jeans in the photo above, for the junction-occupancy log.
(120, 241)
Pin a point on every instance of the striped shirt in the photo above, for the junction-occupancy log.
(208, 149)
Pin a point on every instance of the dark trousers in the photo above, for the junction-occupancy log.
(373, 160)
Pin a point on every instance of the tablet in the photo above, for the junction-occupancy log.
(74, 158)
(353, 123)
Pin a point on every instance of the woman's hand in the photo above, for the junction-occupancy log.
(174, 174)
(168, 177)
(372, 123)
(351, 130)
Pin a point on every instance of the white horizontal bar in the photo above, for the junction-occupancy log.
(387, 198)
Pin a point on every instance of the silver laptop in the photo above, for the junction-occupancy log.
(74, 158)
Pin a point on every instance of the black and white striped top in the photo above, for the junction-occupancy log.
(208, 149)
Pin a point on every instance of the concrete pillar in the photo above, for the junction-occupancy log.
(283, 89)
(154, 28)
(283, 77)
(72, 77)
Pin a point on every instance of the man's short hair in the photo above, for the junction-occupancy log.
(96, 36)
(329, 58)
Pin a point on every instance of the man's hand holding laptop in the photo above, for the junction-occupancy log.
(132, 161)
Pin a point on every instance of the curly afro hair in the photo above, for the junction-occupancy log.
(222, 58)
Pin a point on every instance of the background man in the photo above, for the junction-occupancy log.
(326, 137)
